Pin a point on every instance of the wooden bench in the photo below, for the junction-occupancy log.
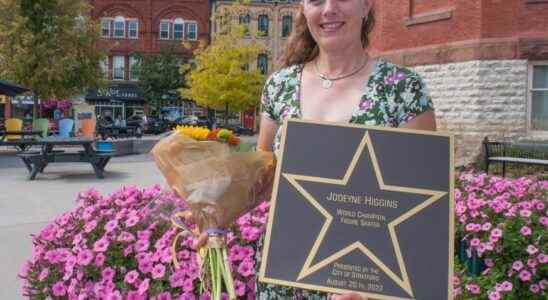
(515, 153)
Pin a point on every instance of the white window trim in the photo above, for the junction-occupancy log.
(114, 68)
(185, 33)
(137, 28)
(168, 30)
(130, 69)
(531, 132)
(109, 22)
(114, 26)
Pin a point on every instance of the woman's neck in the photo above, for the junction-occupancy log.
(340, 62)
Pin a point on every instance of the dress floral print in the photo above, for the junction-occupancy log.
(392, 96)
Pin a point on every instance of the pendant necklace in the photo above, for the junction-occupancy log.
(328, 82)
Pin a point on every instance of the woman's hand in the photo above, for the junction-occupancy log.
(348, 296)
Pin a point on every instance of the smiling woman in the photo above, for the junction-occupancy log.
(328, 76)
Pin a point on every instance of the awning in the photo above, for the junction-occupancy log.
(123, 92)
(10, 89)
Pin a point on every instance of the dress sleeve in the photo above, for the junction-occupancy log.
(268, 102)
(414, 99)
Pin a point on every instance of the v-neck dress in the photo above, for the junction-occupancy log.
(392, 95)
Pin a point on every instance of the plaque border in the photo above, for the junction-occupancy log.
(266, 246)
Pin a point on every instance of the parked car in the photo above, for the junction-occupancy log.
(193, 120)
(157, 126)
(138, 121)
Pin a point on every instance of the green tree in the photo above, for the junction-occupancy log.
(220, 77)
(50, 46)
(159, 75)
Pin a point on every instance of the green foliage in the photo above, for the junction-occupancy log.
(159, 74)
(218, 78)
(50, 46)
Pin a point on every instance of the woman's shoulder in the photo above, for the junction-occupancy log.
(284, 74)
(392, 72)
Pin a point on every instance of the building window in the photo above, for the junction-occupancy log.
(133, 68)
(191, 31)
(262, 63)
(539, 97)
(244, 21)
(105, 27)
(118, 70)
(104, 66)
(119, 27)
(133, 29)
(164, 30)
(287, 25)
(178, 29)
(263, 25)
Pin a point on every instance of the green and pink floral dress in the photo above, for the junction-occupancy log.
(391, 96)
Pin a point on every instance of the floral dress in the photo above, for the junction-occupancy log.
(392, 96)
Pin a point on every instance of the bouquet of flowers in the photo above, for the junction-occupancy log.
(217, 184)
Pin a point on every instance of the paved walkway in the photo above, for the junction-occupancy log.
(26, 206)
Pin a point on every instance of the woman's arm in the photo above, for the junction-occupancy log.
(424, 121)
(267, 131)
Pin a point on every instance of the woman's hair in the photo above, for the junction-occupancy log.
(302, 48)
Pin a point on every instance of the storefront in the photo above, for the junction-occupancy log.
(119, 99)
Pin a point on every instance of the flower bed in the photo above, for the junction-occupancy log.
(501, 238)
(119, 246)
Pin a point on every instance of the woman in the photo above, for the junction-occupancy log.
(328, 76)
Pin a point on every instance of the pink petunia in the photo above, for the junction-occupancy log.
(142, 245)
(88, 227)
(494, 295)
(532, 249)
(534, 288)
(114, 295)
(525, 275)
(246, 268)
(131, 276)
(108, 273)
(164, 296)
(473, 289)
(43, 274)
(111, 225)
(100, 259)
(525, 213)
(542, 258)
(101, 245)
(85, 257)
(158, 271)
(239, 287)
(132, 221)
(59, 289)
(525, 231)
(543, 221)
(506, 286)
(143, 287)
(188, 285)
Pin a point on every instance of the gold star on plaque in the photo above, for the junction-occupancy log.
(427, 197)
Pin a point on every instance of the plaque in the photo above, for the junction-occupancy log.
(363, 209)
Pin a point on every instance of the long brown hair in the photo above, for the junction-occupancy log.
(302, 48)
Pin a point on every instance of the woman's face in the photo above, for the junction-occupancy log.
(335, 24)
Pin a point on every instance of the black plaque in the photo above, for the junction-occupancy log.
(364, 209)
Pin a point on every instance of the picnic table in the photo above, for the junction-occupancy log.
(37, 161)
(27, 137)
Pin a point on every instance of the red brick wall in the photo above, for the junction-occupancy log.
(149, 13)
(438, 31)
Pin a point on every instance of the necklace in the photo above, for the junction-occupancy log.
(328, 82)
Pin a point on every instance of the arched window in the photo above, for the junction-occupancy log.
(178, 29)
(119, 27)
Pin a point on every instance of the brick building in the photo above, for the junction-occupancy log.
(485, 63)
(142, 27)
